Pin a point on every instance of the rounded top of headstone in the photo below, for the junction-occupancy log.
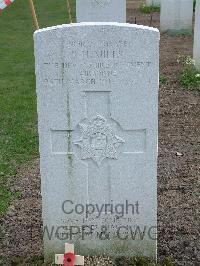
(97, 24)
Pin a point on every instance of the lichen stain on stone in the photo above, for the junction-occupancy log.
(69, 139)
(69, 155)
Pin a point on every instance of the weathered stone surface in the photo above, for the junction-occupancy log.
(97, 90)
(101, 10)
(197, 35)
(176, 16)
(153, 2)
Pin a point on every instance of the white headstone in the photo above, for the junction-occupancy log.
(97, 90)
(101, 10)
(153, 2)
(176, 16)
(197, 35)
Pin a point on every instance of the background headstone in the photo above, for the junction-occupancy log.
(197, 35)
(101, 11)
(176, 16)
(97, 90)
(153, 2)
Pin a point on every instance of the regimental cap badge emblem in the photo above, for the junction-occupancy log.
(98, 140)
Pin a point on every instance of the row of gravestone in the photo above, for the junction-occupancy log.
(196, 49)
(176, 16)
(97, 102)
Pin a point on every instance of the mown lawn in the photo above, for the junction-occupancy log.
(18, 116)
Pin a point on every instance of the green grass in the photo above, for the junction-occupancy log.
(148, 9)
(18, 118)
(189, 76)
(163, 80)
(7, 196)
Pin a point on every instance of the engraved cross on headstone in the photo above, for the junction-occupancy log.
(98, 141)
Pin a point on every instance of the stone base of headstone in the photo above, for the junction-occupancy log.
(176, 16)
